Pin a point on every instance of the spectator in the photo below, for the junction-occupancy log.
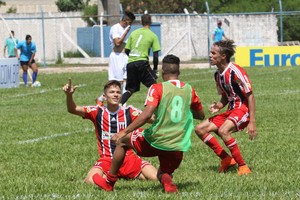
(218, 33)
(10, 45)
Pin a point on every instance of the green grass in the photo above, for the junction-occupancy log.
(46, 152)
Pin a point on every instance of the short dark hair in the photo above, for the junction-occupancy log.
(146, 19)
(27, 37)
(111, 83)
(170, 64)
(12, 32)
(227, 47)
(128, 15)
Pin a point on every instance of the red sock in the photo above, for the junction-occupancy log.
(111, 179)
(235, 151)
(213, 143)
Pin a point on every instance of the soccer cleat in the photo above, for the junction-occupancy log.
(102, 183)
(244, 170)
(226, 163)
(168, 184)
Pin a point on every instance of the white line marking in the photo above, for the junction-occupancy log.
(51, 136)
(41, 92)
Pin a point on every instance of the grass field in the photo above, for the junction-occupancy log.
(45, 152)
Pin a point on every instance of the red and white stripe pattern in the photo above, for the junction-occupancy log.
(235, 84)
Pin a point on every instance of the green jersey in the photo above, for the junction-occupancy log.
(140, 42)
(10, 44)
(173, 123)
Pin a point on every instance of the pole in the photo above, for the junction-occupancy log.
(43, 35)
(208, 32)
(281, 28)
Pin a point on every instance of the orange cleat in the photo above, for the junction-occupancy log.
(244, 170)
(226, 163)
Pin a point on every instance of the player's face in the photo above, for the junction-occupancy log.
(113, 95)
(215, 57)
(28, 41)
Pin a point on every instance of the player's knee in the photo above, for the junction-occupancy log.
(200, 130)
(223, 132)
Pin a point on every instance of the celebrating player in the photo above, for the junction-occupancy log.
(108, 120)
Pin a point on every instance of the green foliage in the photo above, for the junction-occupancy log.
(12, 10)
(70, 5)
(2, 3)
(46, 152)
(91, 10)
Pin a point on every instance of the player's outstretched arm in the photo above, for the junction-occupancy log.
(71, 106)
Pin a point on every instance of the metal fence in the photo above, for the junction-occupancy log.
(187, 35)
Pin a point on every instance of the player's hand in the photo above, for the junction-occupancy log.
(117, 137)
(251, 130)
(214, 108)
(68, 88)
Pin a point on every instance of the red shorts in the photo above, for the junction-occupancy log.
(240, 117)
(131, 168)
(169, 161)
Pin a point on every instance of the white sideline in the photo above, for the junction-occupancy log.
(51, 136)
(41, 91)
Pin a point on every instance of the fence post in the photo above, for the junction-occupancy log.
(208, 32)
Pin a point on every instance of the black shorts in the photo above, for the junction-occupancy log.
(139, 72)
(26, 62)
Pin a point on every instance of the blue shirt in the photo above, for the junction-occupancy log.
(218, 32)
(26, 50)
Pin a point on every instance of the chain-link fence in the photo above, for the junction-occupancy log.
(186, 35)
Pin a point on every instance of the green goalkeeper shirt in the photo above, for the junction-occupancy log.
(140, 42)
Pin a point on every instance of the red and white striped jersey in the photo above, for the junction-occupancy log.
(107, 124)
(235, 84)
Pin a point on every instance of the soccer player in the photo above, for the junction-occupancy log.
(108, 120)
(27, 53)
(234, 86)
(138, 47)
(118, 58)
(10, 45)
(174, 104)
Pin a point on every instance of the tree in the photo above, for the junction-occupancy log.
(2, 3)
(70, 5)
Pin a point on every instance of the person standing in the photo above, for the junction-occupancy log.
(10, 45)
(27, 52)
(108, 120)
(138, 48)
(218, 33)
(118, 58)
(174, 104)
(234, 86)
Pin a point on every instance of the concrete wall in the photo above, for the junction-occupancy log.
(246, 30)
